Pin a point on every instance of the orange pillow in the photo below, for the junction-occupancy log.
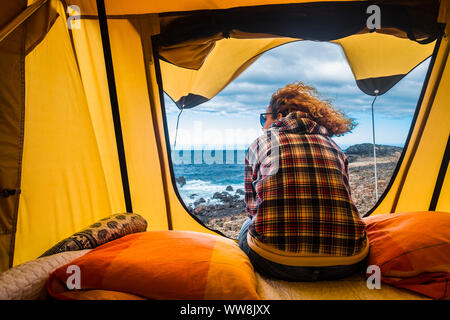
(412, 250)
(162, 265)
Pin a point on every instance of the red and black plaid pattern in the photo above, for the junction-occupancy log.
(297, 190)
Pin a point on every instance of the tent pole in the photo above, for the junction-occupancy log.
(114, 102)
(374, 148)
(176, 130)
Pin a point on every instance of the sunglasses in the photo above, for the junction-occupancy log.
(263, 117)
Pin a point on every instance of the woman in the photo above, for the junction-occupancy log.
(303, 225)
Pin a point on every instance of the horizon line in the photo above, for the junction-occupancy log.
(245, 147)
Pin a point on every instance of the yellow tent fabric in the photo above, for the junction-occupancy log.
(413, 187)
(59, 157)
(61, 167)
(378, 61)
(228, 59)
(371, 56)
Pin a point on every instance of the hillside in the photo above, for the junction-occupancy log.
(365, 150)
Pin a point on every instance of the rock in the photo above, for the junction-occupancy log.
(224, 196)
(201, 200)
(240, 191)
(229, 188)
(198, 210)
(192, 196)
(352, 157)
(181, 180)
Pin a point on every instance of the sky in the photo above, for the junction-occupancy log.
(231, 119)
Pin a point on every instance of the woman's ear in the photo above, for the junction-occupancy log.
(280, 115)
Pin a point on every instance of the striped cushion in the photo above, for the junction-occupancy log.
(100, 232)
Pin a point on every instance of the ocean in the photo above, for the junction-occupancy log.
(207, 172)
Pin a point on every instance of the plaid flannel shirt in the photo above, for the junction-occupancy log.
(297, 191)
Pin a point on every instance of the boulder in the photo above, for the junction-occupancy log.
(181, 180)
(201, 200)
(224, 196)
(199, 210)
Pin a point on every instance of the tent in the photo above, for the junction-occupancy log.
(83, 133)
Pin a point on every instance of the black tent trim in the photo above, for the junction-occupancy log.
(155, 42)
(382, 84)
(325, 21)
(190, 101)
(148, 57)
(441, 177)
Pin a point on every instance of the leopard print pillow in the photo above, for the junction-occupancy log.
(105, 230)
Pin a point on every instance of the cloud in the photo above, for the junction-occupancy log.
(320, 64)
(305, 61)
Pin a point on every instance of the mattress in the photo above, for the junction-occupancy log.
(351, 288)
(27, 281)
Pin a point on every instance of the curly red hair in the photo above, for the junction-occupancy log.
(300, 97)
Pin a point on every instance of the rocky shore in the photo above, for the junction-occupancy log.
(227, 213)
(229, 203)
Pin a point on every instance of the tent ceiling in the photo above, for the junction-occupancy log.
(377, 61)
(186, 39)
(308, 21)
(121, 8)
(10, 10)
(203, 51)
(190, 87)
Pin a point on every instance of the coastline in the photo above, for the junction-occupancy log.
(225, 210)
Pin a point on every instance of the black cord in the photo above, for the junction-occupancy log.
(176, 130)
(374, 147)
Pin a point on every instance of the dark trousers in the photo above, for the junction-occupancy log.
(290, 273)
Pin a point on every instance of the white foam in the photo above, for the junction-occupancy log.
(205, 190)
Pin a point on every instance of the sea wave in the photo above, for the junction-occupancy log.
(195, 189)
